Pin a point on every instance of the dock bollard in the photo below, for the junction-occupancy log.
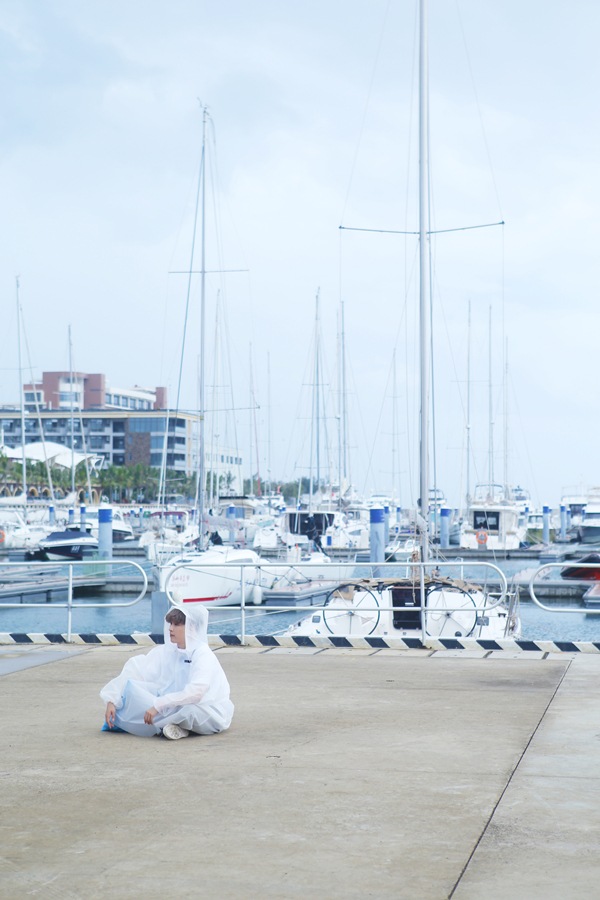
(546, 525)
(82, 518)
(563, 523)
(445, 527)
(377, 549)
(51, 515)
(105, 535)
(231, 515)
(71, 517)
(386, 525)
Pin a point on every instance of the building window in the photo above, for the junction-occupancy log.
(151, 424)
(109, 398)
(67, 396)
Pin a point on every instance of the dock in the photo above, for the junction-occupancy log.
(397, 775)
(37, 584)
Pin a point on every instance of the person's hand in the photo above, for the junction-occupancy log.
(110, 714)
(149, 715)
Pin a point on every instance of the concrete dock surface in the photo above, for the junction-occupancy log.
(345, 774)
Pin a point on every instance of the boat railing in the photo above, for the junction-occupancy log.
(97, 567)
(420, 571)
(562, 609)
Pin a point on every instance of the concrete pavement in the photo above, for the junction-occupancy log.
(345, 774)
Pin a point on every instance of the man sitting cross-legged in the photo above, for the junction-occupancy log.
(176, 688)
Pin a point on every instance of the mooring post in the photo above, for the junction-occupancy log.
(546, 525)
(230, 516)
(445, 527)
(105, 535)
(377, 549)
(563, 523)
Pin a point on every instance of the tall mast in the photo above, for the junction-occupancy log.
(491, 409)
(312, 431)
(506, 417)
(269, 486)
(424, 270)
(22, 396)
(469, 405)
(339, 418)
(202, 330)
(394, 430)
(344, 408)
(251, 398)
(215, 406)
(316, 388)
(72, 419)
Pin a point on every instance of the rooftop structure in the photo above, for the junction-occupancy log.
(89, 392)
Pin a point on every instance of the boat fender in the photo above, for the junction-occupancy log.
(257, 595)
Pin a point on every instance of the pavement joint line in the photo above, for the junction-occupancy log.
(318, 642)
(507, 785)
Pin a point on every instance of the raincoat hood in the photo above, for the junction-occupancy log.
(196, 624)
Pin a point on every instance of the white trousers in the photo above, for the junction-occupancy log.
(198, 717)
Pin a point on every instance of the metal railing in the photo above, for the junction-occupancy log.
(423, 568)
(70, 605)
(574, 564)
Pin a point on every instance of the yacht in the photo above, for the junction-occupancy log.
(589, 529)
(388, 608)
(493, 520)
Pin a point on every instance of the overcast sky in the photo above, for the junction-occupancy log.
(314, 112)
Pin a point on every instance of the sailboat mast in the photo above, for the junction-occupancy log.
(202, 465)
(424, 270)
(339, 417)
(344, 407)
(394, 429)
(469, 405)
(506, 418)
(317, 410)
(72, 419)
(491, 409)
(269, 485)
(22, 396)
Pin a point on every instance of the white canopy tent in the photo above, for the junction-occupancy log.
(57, 454)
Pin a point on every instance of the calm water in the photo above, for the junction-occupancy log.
(536, 623)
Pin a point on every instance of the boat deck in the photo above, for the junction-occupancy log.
(345, 774)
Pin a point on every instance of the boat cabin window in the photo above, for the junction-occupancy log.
(404, 600)
(486, 519)
(298, 522)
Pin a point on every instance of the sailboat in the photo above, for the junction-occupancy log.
(391, 606)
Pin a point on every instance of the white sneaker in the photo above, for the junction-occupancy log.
(174, 732)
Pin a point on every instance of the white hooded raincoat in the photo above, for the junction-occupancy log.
(187, 687)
